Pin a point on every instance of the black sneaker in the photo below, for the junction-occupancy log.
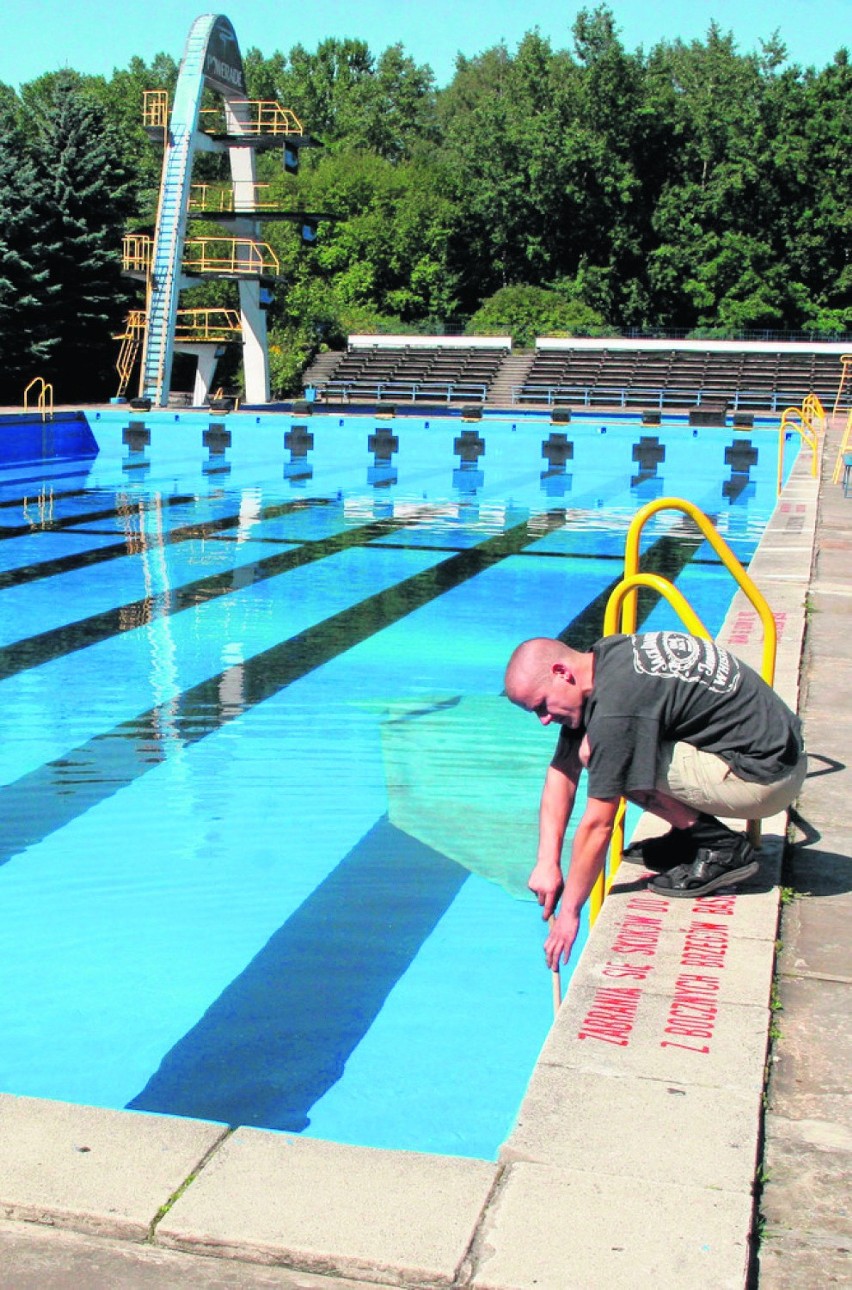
(712, 868)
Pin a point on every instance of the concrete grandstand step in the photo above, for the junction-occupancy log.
(512, 372)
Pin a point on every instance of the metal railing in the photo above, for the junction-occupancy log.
(155, 110)
(404, 391)
(621, 616)
(131, 339)
(236, 255)
(845, 370)
(652, 396)
(207, 325)
(221, 198)
(845, 444)
(44, 402)
(808, 421)
(260, 116)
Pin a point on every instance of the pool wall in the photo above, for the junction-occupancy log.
(645, 1104)
(29, 438)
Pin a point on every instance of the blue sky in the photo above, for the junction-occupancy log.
(95, 36)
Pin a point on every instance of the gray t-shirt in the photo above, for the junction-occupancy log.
(664, 687)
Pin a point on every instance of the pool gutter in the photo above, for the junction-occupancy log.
(634, 1152)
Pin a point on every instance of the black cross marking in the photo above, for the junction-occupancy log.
(383, 444)
(299, 440)
(741, 456)
(136, 436)
(649, 452)
(216, 438)
(557, 449)
(470, 446)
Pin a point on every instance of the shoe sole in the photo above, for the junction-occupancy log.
(730, 879)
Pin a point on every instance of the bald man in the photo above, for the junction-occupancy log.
(671, 722)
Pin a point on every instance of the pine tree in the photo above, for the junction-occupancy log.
(25, 343)
(83, 198)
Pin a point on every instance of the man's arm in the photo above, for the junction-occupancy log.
(588, 854)
(557, 802)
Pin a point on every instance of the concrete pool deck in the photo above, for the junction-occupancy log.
(634, 1156)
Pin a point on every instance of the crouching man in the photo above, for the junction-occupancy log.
(675, 724)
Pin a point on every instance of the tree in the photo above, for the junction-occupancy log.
(527, 312)
(26, 341)
(82, 198)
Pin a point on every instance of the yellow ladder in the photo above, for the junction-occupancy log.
(621, 615)
(131, 341)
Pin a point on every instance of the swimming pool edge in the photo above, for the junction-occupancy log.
(573, 1193)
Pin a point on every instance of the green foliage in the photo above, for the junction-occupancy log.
(61, 223)
(569, 191)
(527, 312)
(25, 290)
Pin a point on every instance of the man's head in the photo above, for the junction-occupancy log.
(551, 680)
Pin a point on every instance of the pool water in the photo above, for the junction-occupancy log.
(266, 818)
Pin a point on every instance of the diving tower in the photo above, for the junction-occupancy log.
(171, 260)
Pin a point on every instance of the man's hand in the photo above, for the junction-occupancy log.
(563, 933)
(546, 881)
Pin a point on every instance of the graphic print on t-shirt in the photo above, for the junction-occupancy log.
(674, 656)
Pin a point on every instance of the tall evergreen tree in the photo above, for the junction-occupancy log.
(26, 342)
(82, 198)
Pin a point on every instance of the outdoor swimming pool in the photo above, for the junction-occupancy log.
(266, 819)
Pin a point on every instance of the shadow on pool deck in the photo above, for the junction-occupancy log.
(634, 1156)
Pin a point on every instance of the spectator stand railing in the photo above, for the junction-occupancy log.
(402, 391)
(589, 396)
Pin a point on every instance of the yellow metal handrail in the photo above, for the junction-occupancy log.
(845, 445)
(212, 325)
(263, 116)
(622, 612)
(131, 339)
(845, 369)
(806, 422)
(215, 198)
(725, 554)
(230, 255)
(137, 250)
(238, 255)
(44, 404)
(812, 408)
(155, 110)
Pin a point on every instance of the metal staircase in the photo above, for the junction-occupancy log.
(165, 268)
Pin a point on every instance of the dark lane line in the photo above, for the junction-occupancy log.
(138, 540)
(89, 517)
(279, 1035)
(34, 498)
(20, 480)
(58, 642)
(667, 556)
(48, 798)
(327, 971)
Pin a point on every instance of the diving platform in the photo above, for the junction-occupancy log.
(173, 259)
